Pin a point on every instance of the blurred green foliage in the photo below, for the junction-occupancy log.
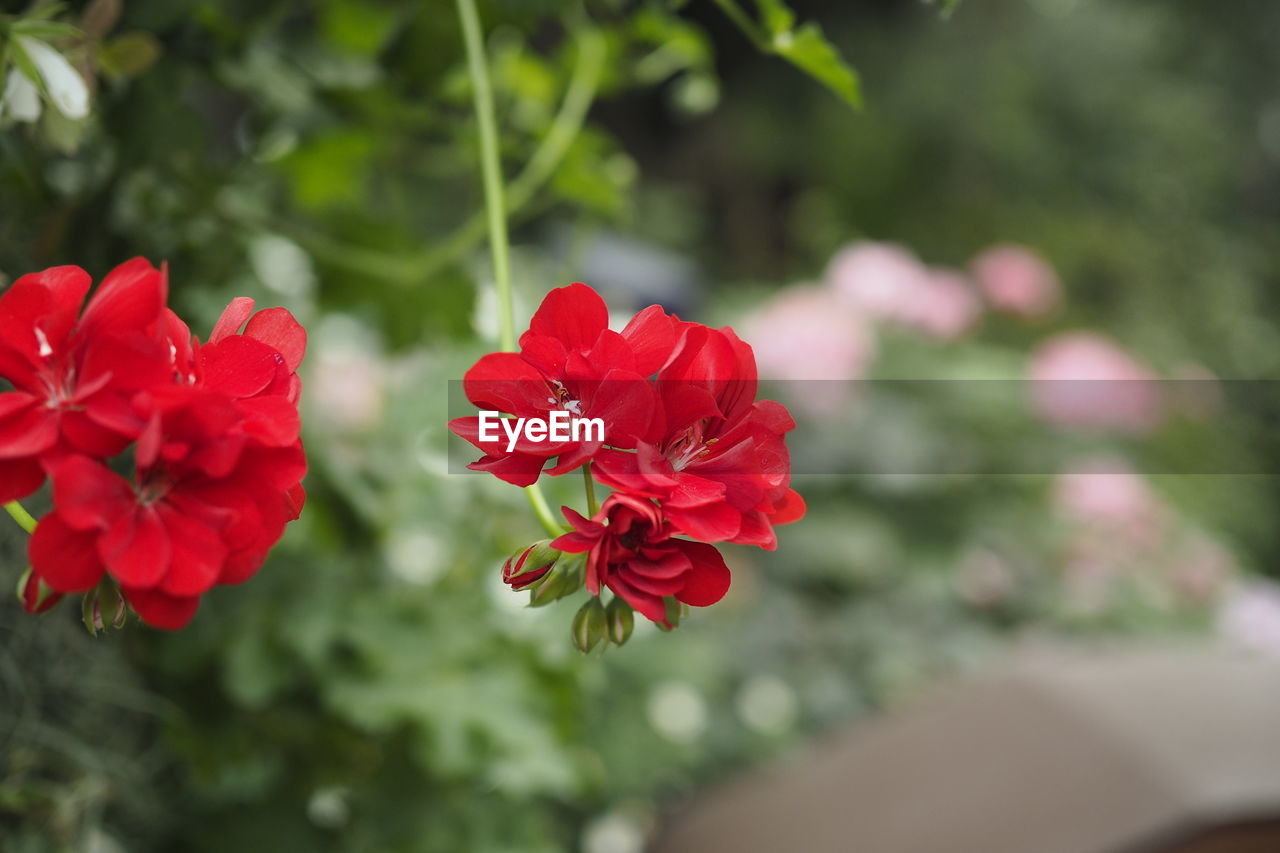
(375, 687)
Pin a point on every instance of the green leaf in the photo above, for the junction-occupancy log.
(776, 16)
(808, 49)
(46, 30)
(129, 55)
(805, 47)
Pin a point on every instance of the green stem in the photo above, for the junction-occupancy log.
(20, 515)
(543, 511)
(495, 208)
(413, 268)
(743, 21)
(491, 169)
(592, 506)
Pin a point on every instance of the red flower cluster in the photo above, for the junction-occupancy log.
(687, 449)
(216, 463)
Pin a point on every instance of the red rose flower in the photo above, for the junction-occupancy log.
(632, 551)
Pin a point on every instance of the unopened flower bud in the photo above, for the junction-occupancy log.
(35, 594)
(589, 625)
(528, 565)
(675, 611)
(619, 620)
(564, 578)
(103, 606)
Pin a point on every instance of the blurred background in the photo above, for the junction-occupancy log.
(1034, 189)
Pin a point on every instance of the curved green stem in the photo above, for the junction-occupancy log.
(20, 515)
(491, 168)
(592, 506)
(551, 151)
(542, 510)
(495, 208)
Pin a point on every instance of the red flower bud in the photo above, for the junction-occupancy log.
(529, 565)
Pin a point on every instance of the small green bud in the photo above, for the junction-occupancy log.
(564, 578)
(619, 620)
(589, 625)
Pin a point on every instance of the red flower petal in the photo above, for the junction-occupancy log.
(130, 297)
(505, 382)
(47, 301)
(233, 317)
(88, 495)
(652, 336)
(790, 508)
(19, 478)
(716, 522)
(278, 329)
(648, 605)
(84, 435)
(575, 315)
(238, 366)
(136, 549)
(198, 554)
(65, 558)
(26, 427)
(160, 610)
(518, 469)
(708, 580)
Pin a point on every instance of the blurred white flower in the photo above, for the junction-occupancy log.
(65, 86)
(282, 265)
(1249, 616)
(21, 98)
(1085, 381)
(1015, 280)
(347, 379)
(416, 555)
(613, 833)
(677, 712)
(768, 705)
(329, 808)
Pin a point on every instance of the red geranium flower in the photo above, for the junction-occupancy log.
(73, 372)
(569, 361)
(218, 461)
(720, 469)
(632, 551)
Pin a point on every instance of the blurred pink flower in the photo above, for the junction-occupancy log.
(947, 306)
(1083, 380)
(1017, 281)
(1249, 616)
(808, 333)
(888, 283)
(881, 280)
(1107, 495)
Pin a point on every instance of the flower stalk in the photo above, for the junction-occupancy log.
(19, 514)
(495, 207)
